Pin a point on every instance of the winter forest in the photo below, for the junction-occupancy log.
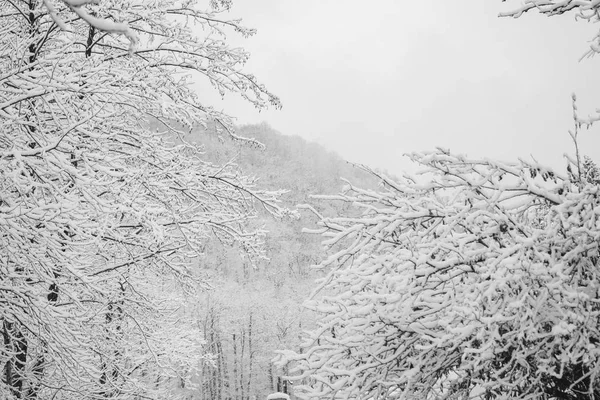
(152, 248)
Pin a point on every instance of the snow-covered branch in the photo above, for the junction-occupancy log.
(587, 10)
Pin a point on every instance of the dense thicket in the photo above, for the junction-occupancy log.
(478, 279)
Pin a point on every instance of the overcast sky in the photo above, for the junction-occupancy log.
(374, 80)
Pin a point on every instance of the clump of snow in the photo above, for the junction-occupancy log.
(278, 396)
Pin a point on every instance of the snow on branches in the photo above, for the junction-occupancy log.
(479, 278)
(176, 37)
(103, 204)
(587, 10)
(101, 24)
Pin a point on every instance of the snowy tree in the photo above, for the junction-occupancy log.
(100, 215)
(475, 279)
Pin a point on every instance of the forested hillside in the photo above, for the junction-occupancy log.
(256, 308)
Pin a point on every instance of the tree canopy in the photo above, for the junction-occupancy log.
(100, 211)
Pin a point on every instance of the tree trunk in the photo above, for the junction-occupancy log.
(235, 368)
(250, 357)
(223, 375)
(271, 378)
(242, 351)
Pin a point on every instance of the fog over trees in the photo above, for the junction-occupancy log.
(151, 249)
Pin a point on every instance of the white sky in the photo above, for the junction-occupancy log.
(374, 80)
